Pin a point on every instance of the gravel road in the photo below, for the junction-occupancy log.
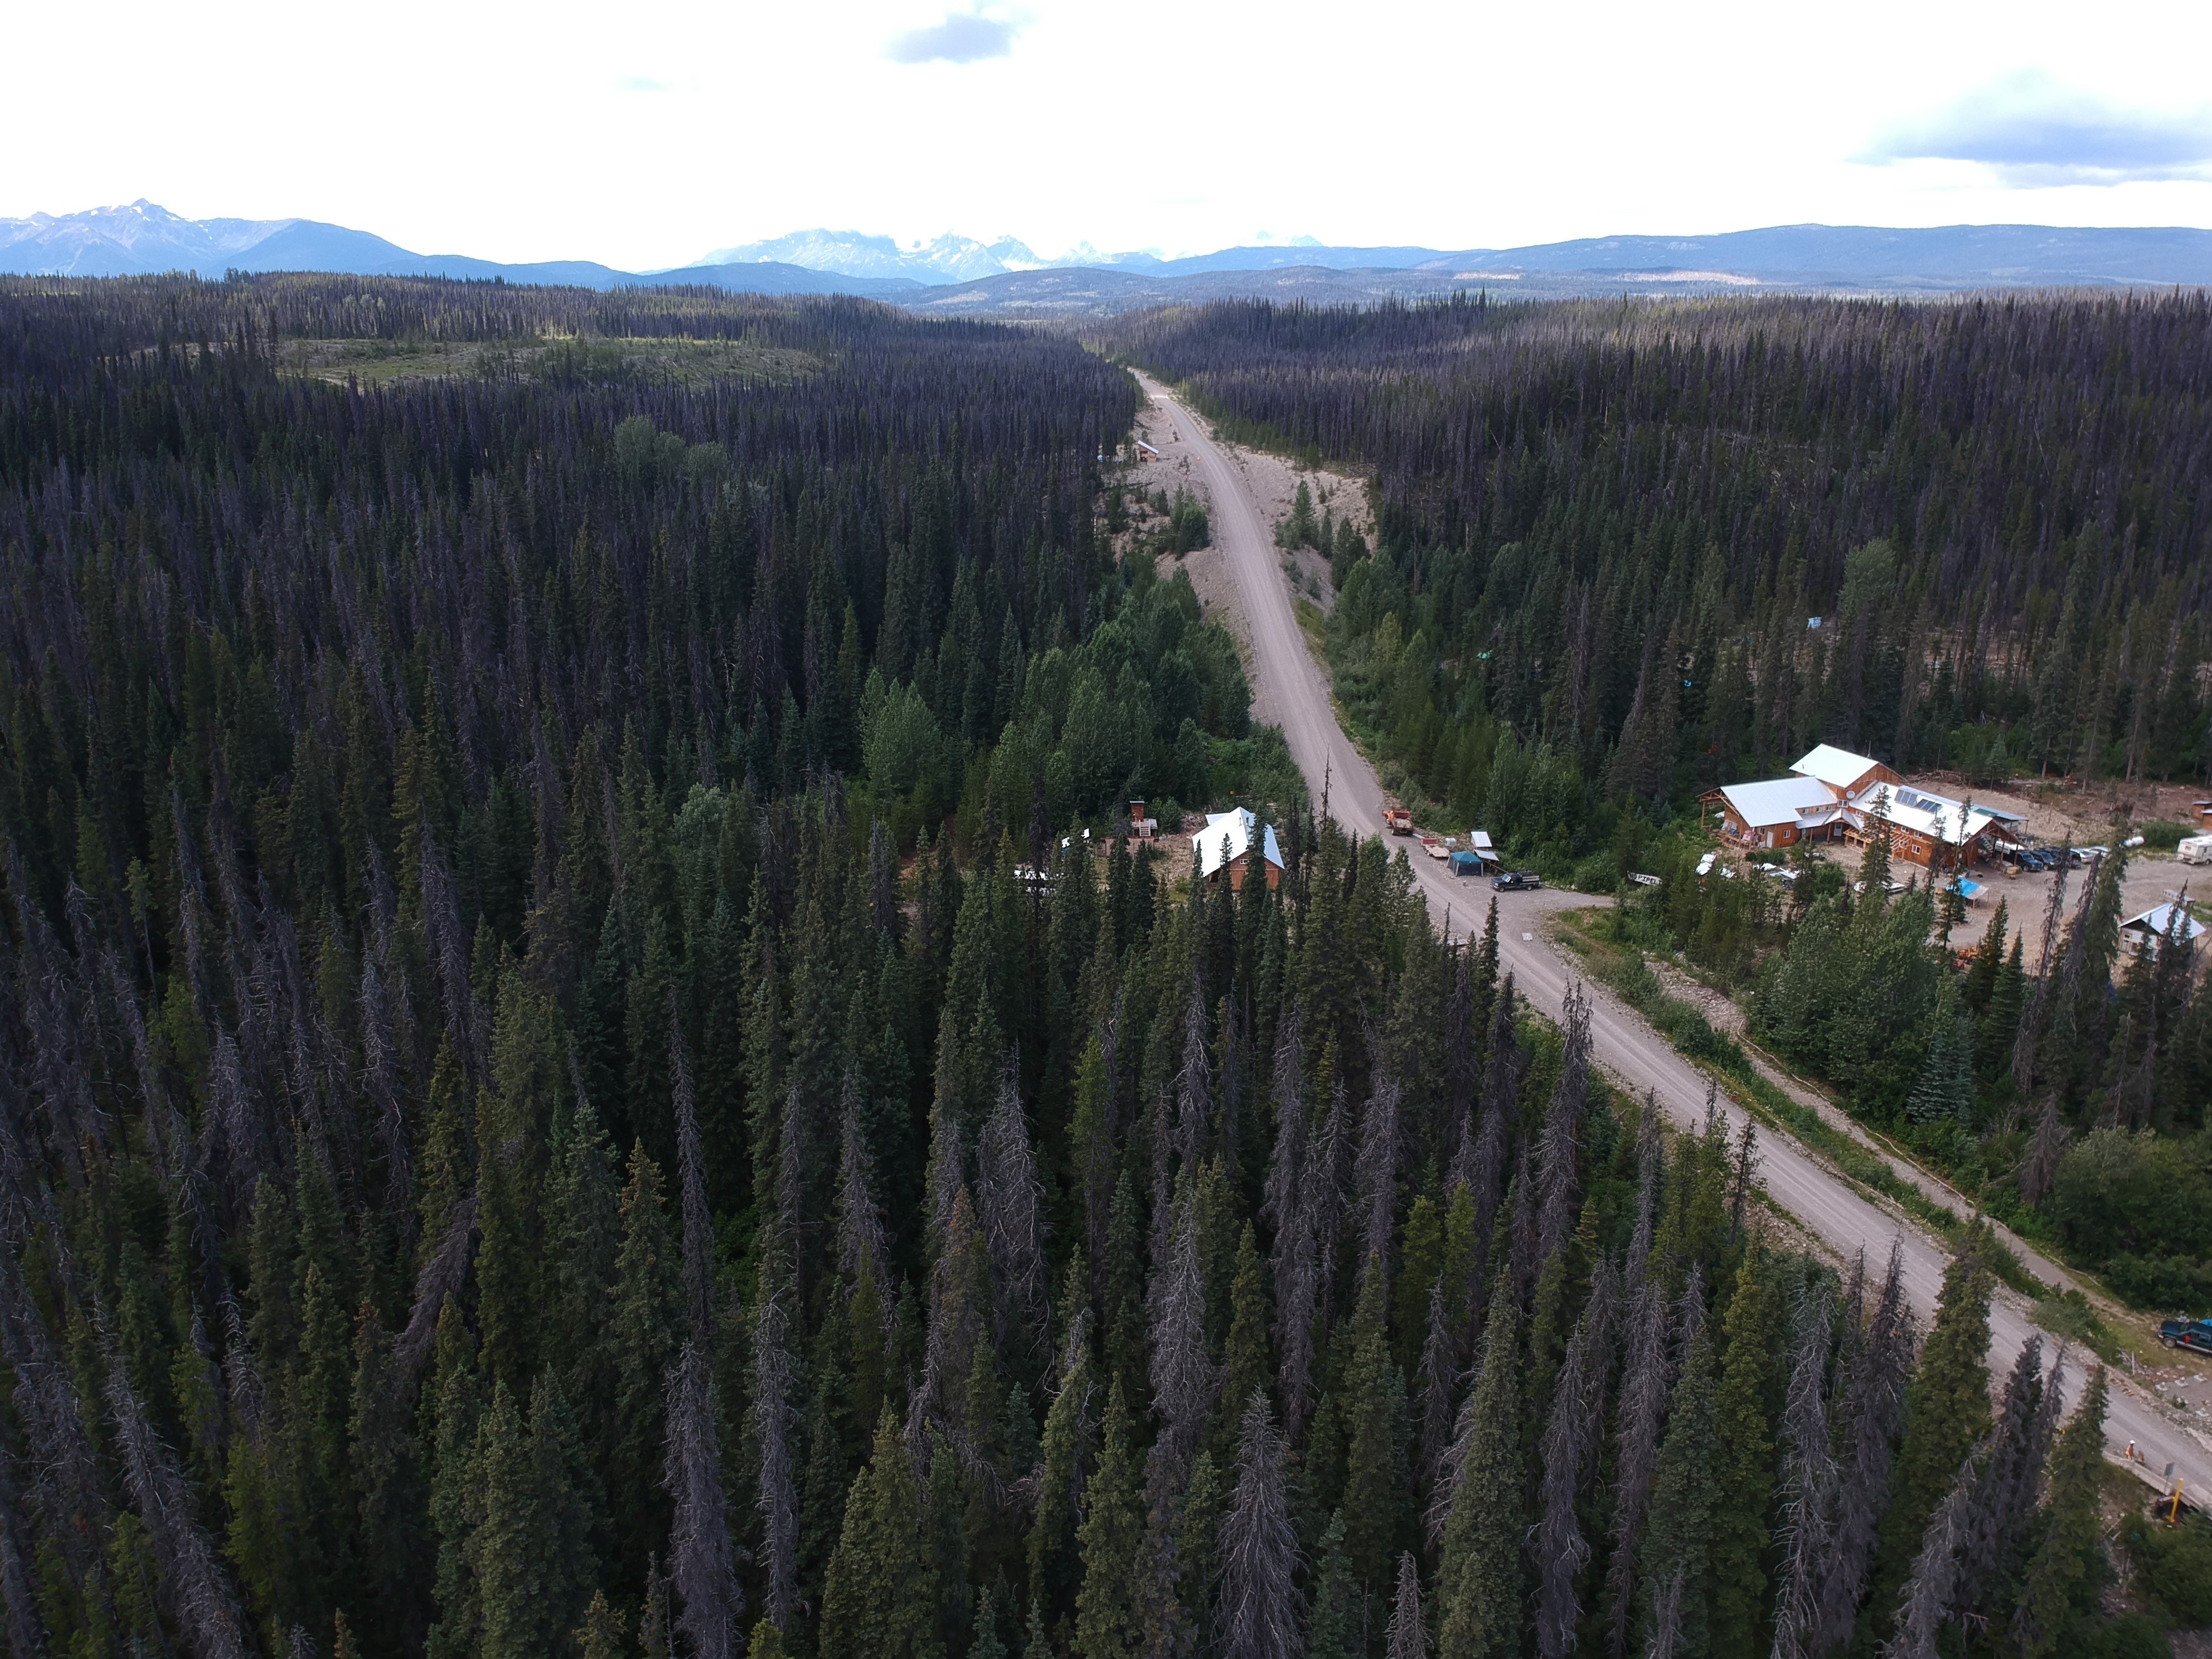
(1290, 687)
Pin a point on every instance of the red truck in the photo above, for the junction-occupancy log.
(1399, 821)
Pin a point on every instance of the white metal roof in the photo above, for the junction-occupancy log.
(1779, 800)
(1233, 829)
(1839, 768)
(1907, 808)
(2155, 921)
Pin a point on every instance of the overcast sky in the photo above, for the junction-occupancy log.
(648, 133)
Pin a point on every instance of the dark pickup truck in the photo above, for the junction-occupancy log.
(1515, 881)
(2186, 1333)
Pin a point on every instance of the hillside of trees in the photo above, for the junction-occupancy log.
(1606, 535)
(571, 1084)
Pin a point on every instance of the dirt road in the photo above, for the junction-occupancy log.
(1290, 687)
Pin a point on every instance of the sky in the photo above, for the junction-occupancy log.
(645, 135)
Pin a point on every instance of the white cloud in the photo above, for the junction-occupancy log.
(2031, 129)
(962, 37)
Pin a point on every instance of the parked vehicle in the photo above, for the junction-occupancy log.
(1515, 881)
(1398, 820)
(2187, 1332)
(2197, 849)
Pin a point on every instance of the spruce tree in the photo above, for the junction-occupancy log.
(1334, 1626)
(1106, 1618)
(1683, 1489)
(1745, 1463)
(1946, 1410)
(1065, 1451)
(2066, 1572)
(1478, 1578)
(881, 1594)
(1378, 1495)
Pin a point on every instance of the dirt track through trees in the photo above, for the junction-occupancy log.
(1291, 687)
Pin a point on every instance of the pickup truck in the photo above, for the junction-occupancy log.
(1516, 881)
(2186, 1332)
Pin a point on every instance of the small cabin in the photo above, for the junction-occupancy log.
(1228, 843)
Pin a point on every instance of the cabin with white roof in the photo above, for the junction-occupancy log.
(2163, 920)
(1227, 843)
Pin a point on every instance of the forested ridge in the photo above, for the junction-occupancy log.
(1607, 525)
(571, 1083)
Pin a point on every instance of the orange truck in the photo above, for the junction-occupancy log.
(1399, 821)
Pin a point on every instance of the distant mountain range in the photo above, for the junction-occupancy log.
(959, 275)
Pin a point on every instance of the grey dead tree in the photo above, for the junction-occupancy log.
(1193, 1089)
(1375, 1174)
(1461, 1069)
(1407, 1636)
(1095, 1156)
(1491, 1152)
(1278, 1205)
(1011, 1200)
(1184, 1380)
(1808, 1477)
(698, 1241)
(1307, 1294)
(2004, 1501)
(1555, 1166)
(192, 1582)
(1569, 1439)
(701, 1562)
(1259, 1615)
(442, 1275)
(1667, 1619)
(1925, 1604)
(65, 1471)
(1873, 1413)
(1438, 1377)
(1646, 1381)
(775, 1421)
(791, 1179)
(863, 1244)
(19, 1596)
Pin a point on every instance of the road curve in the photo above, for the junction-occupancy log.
(1291, 685)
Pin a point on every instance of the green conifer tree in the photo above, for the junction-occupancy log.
(1479, 1577)
(1378, 1485)
(2066, 1572)
(881, 1593)
(1947, 1408)
(1684, 1491)
(1107, 1613)
(1744, 1411)
(1333, 1627)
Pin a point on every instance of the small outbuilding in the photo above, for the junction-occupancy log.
(2160, 921)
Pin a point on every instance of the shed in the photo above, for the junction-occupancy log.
(2157, 922)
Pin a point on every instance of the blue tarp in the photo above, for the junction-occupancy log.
(1970, 890)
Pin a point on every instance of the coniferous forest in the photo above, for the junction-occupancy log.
(572, 1084)
(1628, 552)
